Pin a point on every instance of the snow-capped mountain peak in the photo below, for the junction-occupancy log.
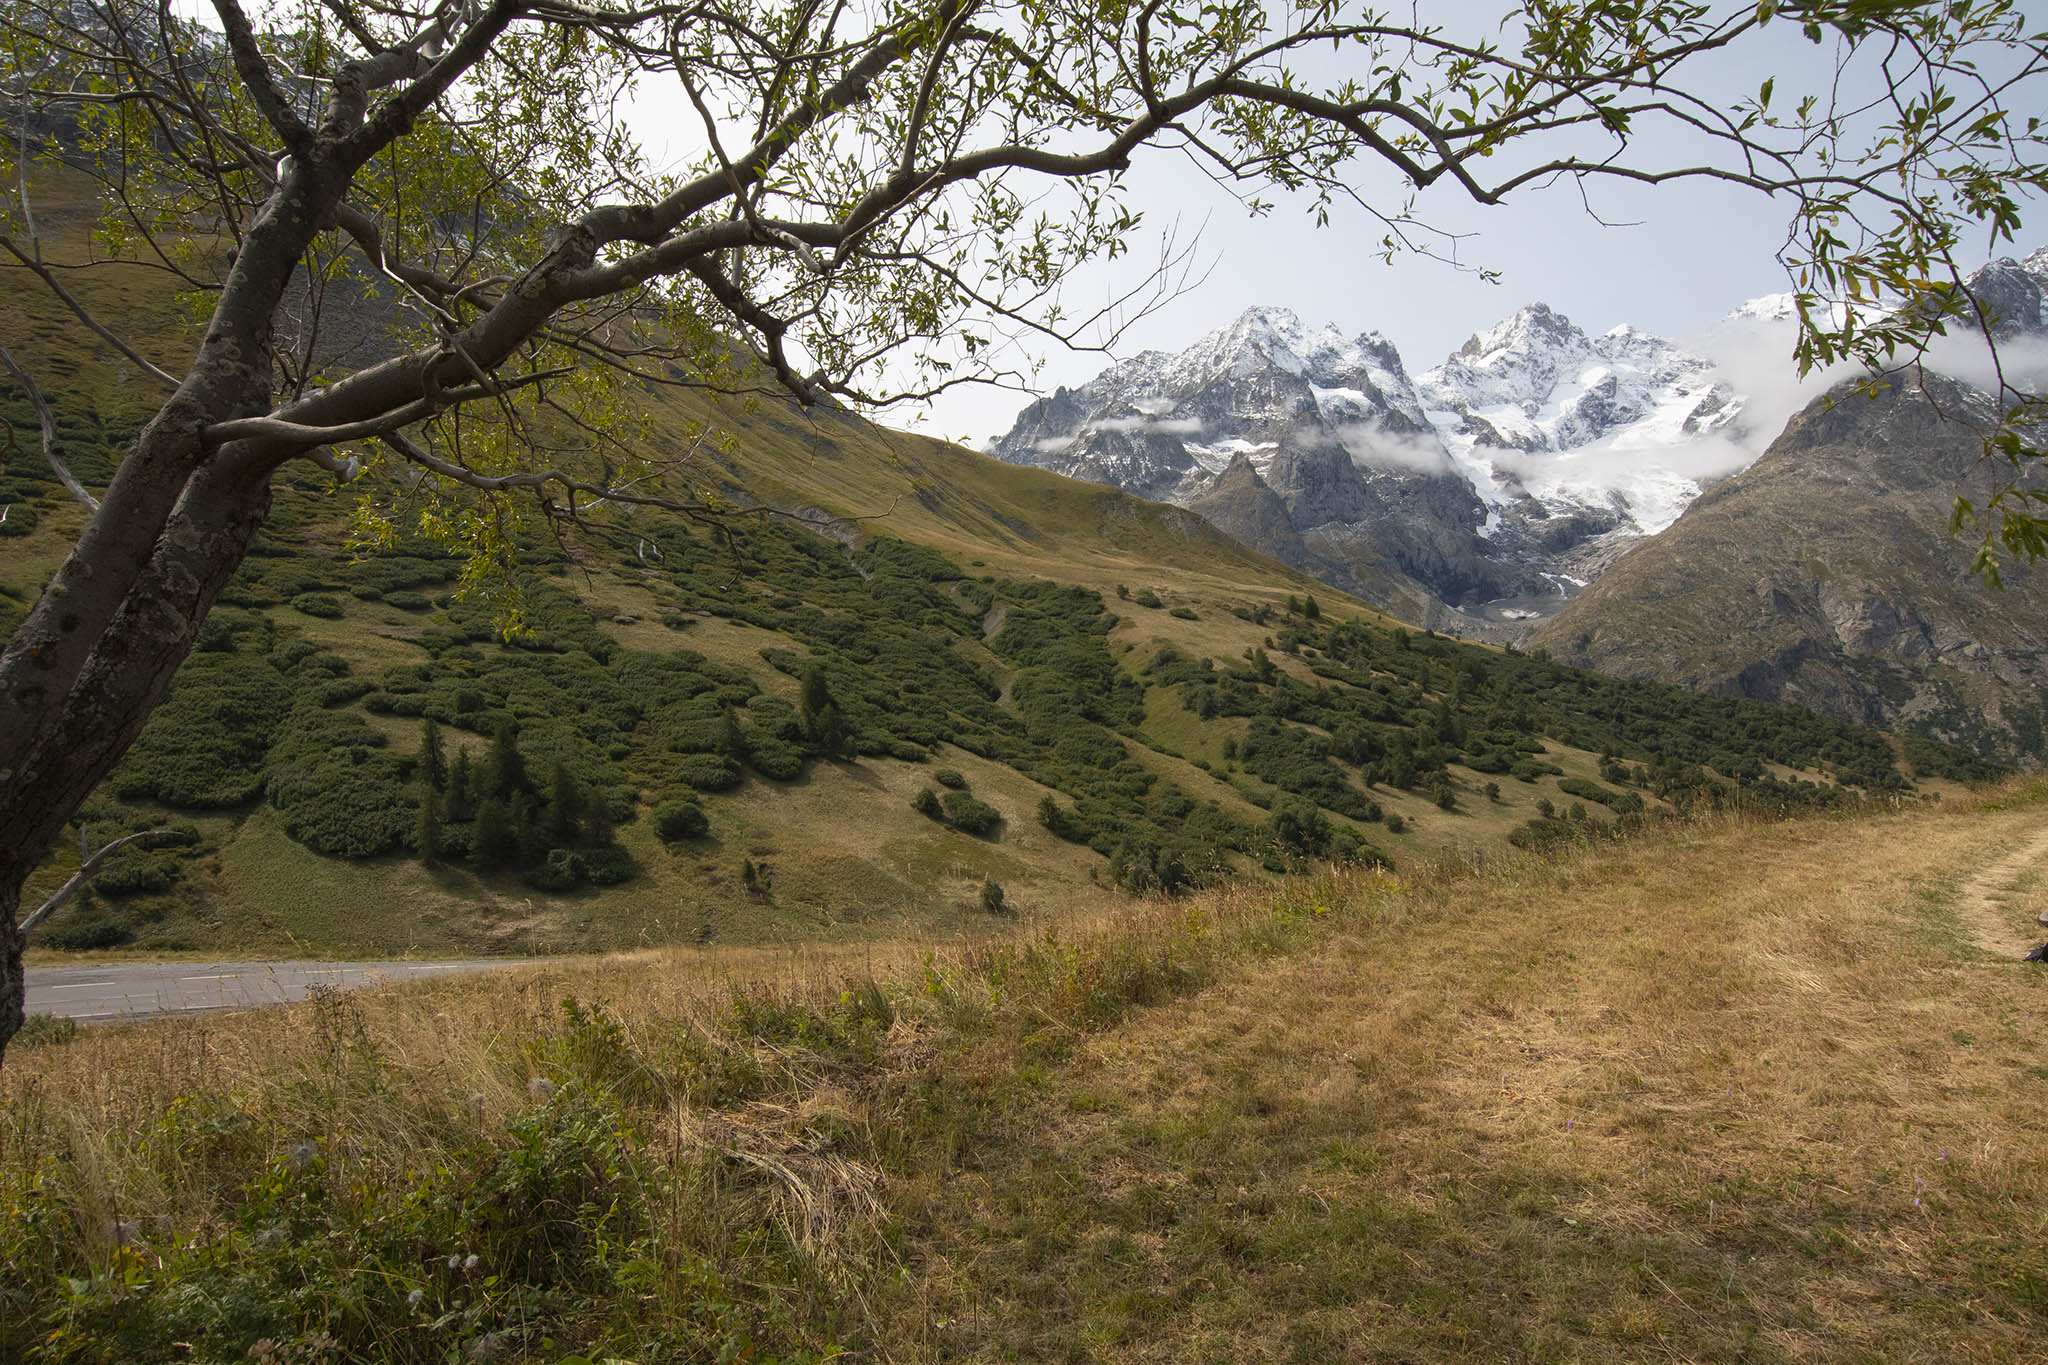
(1532, 439)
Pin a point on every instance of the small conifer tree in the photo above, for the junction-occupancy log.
(565, 807)
(427, 834)
(492, 843)
(459, 801)
(503, 772)
(433, 756)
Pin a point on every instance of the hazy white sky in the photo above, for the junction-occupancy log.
(1674, 258)
(1670, 259)
(1679, 257)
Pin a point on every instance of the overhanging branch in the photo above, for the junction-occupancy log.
(86, 871)
(52, 447)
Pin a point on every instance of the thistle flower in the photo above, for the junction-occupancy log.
(541, 1088)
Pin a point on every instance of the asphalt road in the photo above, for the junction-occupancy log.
(132, 990)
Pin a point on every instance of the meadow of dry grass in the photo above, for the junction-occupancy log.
(1735, 1090)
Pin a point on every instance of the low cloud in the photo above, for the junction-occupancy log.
(1377, 448)
(1753, 356)
(1173, 426)
(2021, 363)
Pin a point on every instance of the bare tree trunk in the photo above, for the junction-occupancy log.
(98, 650)
(65, 747)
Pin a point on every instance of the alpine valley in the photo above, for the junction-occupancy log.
(934, 686)
(1602, 496)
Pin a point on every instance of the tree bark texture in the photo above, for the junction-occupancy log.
(98, 650)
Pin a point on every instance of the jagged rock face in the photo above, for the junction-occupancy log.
(1468, 490)
(2014, 295)
(1309, 445)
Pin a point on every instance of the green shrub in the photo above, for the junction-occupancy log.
(41, 1029)
(559, 871)
(677, 819)
(338, 792)
(133, 872)
(709, 772)
(83, 931)
(204, 747)
(1622, 803)
(926, 803)
(776, 759)
(608, 865)
(949, 777)
(970, 814)
(1184, 614)
(318, 604)
(993, 899)
(1145, 597)
(342, 691)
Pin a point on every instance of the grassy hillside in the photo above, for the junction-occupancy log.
(1736, 1090)
(938, 676)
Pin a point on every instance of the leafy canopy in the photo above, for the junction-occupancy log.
(886, 193)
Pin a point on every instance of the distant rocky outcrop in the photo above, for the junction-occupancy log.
(1826, 575)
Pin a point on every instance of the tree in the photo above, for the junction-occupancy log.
(459, 803)
(824, 724)
(433, 758)
(565, 808)
(885, 195)
(427, 834)
(493, 842)
(502, 774)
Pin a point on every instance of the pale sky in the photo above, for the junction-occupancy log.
(1672, 259)
(1677, 257)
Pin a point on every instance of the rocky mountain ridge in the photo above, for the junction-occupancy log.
(1474, 496)
(1826, 573)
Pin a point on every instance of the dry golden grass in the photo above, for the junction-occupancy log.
(1734, 1091)
(1742, 1091)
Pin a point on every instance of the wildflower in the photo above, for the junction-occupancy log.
(412, 1300)
(455, 1262)
(541, 1088)
(469, 1262)
(300, 1158)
